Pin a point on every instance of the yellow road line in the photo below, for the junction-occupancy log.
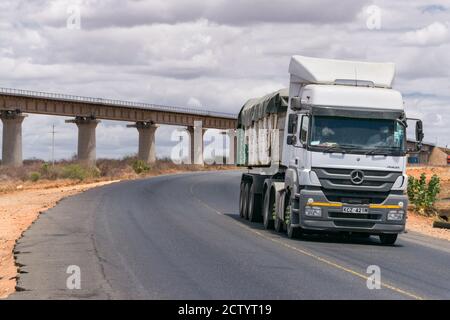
(309, 254)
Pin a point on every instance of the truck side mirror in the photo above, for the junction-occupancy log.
(419, 131)
(296, 103)
(291, 140)
(292, 123)
(419, 136)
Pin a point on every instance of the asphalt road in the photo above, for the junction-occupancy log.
(180, 237)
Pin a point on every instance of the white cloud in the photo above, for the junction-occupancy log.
(214, 55)
(434, 34)
(194, 103)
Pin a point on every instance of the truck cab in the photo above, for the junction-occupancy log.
(342, 153)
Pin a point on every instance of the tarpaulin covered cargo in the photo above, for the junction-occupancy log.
(256, 109)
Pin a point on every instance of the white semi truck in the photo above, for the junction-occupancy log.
(329, 153)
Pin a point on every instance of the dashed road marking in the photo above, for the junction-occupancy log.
(308, 253)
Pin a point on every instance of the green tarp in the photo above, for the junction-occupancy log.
(256, 109)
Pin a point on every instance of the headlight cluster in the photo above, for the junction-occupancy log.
(395, 215)
(313, 211)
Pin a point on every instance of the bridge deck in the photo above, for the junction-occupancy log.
(110, 109)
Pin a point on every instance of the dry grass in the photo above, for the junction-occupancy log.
(39, 174)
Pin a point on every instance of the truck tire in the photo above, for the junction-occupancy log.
(246, 196)
(278, 225)
(241, 199)
(388, 238)
(292, 232)
(254, 205)
(268, 207)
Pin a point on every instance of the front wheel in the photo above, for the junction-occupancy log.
(292, 232)
(388, 238)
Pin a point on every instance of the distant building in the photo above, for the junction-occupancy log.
(430, 154)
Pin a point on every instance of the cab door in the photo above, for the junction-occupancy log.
(300, 152)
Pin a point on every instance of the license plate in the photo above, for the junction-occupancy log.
(355, 210)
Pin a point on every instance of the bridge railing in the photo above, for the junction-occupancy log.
(113, 102)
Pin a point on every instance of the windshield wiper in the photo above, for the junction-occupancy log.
(334, 148)
(380, 151)
(340, 148)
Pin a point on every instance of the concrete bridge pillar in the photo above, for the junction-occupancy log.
(147, 146)
(231, 159)
(196, 133)
(86, 139)
(12, 138)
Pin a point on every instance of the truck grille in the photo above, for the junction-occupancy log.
(343, 215)
(355, 197)
(354, 224)
(340, 179)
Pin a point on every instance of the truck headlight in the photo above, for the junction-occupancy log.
(395, 215)
(313, 211)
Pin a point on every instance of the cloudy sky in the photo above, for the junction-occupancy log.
(211, 54)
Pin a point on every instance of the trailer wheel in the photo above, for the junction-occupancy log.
(241, 199)
(388, 238)
(246, 200)
(268, 208)
(254, 205)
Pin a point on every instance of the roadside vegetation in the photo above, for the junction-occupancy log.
(429, 195)
(423, 195)
(35, 172)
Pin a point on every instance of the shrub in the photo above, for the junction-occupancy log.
(79, 172)
(49, 171)
(140, 166)
(74, 171)
(424, 195)
(35, 176)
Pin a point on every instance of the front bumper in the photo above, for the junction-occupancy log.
(333, 218)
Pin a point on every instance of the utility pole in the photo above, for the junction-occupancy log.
(53, 144)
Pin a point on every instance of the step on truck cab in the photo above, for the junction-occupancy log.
(328, 154)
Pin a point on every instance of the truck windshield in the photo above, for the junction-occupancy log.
(357, 135)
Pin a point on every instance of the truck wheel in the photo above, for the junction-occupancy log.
(292, 232)
(278, 224)
(241, 199)
(388, 238)
(246, 198)
(268, 208)
(254, 205)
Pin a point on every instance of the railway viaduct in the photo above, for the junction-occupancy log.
(87, 112)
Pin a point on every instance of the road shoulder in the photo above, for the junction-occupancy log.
(19, 210)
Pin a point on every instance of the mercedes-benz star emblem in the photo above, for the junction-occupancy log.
(357, 176)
